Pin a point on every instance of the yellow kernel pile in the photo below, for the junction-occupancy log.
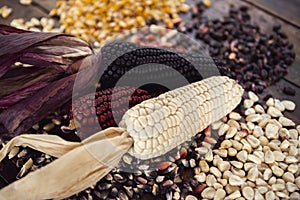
(97, 21)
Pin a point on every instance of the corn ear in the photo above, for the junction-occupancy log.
(159, 124)
(105, 108)
(151, 64)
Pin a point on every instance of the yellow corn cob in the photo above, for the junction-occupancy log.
(158, 125)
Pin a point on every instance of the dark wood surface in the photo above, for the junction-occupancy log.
(46, 5)
(265, 13)
(287, 10)
(21, 11)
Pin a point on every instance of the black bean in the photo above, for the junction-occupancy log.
(289, 91)
(276, 26)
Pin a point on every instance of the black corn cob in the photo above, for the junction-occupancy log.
(105, 108)
(159, 65)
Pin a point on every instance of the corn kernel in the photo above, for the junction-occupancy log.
(140, 21)
(125, 12)
(90, 22)
(139, 9)
(88, 1)
(207, 3)
(5, 11)
(25, 2)
(89, 16)
(60, 3)
(169, 23)
(116, 29)
(85, 37)
(184, 8)
(17, 22)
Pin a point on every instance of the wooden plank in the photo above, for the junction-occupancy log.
(266, 22)
(288, 11)
(47, 5)
(21, 11)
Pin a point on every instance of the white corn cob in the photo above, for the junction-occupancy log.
(159, 124)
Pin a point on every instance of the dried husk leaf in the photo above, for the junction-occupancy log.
(89, 161)
(49, 144)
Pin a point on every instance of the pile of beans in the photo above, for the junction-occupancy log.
(253, 58)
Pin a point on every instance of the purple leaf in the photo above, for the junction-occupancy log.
(21, 116)
(17, 96)
(15, 80)
(29, 94)
(36, 48)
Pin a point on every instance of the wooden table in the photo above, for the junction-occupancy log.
(263, 12)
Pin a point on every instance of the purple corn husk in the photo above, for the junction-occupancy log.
(21, 116)
(39, 48)
(28, 94)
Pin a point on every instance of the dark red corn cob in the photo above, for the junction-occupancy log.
(105, 108)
